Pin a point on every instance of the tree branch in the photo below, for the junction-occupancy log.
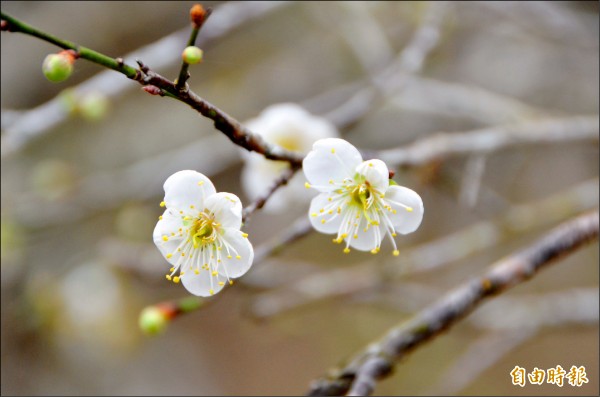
(375, 362)
(223, 122)
(283, 179)
(36, 122)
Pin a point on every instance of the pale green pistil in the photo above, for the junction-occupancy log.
(203, 230)
(362, 196)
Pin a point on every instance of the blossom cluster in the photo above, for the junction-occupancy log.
(199, 232)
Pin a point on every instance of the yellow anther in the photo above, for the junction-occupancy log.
(396, 252)
(394, 234)
(160, 218)
(214, 273)
(176, 279)
(339, 210)
(395, 212)
(346, 250)
(192, 206)
(183, 254)
(313, 214)
(307, 185)
(245, 235)
(322, 221)
(344, 235)
(238, 257)
(370, 164)
(221, 283)
(228, 256)
(197, 271)
(331, 181)
(409, 209)
(330, 212)
(230, 282)
(169, 256)
(212, 291)
(355, 236)
(332, 150)
(162, 203)
(374, 251)
(181, 212)
(200, 183)
(322, 210)
(165, 238)
(181, 273)
(329, 199)
(168, 277)
(172, 269)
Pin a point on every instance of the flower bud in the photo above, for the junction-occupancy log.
(197, 14)
(192, 55)
(153, 321)
(58, 67)
(93, 106)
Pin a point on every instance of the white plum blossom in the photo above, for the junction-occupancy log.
(357, 199)
(290, 126)
(199, 234)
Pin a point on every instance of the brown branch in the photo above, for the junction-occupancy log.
(223, 122)
(375, 362)
(43, 119)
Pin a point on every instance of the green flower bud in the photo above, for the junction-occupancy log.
(153, 321)
(93, 106)
(192, 55)
(57, 67)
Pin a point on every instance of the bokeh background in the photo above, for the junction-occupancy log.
(80, 199)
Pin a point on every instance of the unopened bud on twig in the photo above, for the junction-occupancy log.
(58, 67)
(192, 55)
(197, 14)
(153, 320)
(152, 89)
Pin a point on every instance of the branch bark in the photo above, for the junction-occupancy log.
(375, 362)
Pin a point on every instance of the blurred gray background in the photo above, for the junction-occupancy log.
(80, 199)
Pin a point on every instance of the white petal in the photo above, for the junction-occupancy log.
(324, 221)
(238, 246)
(291, 126)
(201, 284)
(164, 229)
(366, 240)
(405, 221)
(185, 189)
(331, 159)
(376, 173)
(227, 209)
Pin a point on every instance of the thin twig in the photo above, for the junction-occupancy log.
(42, 119)
(196, 26)
(223, 122)
(282, 180)
(375, 362)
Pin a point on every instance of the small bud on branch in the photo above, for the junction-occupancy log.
(198, 15)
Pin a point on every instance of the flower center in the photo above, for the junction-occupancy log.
(362, 196)
(203, 230)
(289, 142)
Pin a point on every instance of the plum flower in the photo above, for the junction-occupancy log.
(357, 199)
(293, 128)
(199, 234)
